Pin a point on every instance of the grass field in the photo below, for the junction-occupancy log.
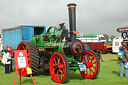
(109, 75)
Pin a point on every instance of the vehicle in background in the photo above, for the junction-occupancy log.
(91, 38)
(98, 39)
(13, 36)
(116, 44)
(102, 39)
(95, 45)
(107, 48)
(107, 45)
(124, 34)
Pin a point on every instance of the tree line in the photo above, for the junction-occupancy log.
(109, 37)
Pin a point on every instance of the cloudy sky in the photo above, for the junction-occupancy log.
(93, 16)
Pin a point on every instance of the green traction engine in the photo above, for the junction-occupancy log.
(58, 51)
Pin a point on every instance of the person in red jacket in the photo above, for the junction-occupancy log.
(11, 52)
(123, 61)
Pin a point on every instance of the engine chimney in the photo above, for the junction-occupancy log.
(72, 19)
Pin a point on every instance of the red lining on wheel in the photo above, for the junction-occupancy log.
(91, 65)
(75, 45)
(22, 46)
(59, 74)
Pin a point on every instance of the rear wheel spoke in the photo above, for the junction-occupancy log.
(28, 55)
(61, 74)
(58, 60)
(55, 63)
(23, 47)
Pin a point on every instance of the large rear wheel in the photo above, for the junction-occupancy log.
(92, 64)
(59, 67)
(32, 56)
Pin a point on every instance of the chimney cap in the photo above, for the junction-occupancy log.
(71, 5)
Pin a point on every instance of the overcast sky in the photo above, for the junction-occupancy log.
(92, 16)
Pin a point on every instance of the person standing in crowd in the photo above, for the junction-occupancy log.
(123, 61)
(7, 58)
(86, 47)
(12, 56)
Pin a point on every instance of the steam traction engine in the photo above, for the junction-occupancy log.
(48, 51)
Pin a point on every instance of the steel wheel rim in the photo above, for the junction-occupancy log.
(91, 64)
(23, 46)
(58, 75)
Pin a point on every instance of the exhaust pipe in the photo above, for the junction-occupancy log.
(72, 19)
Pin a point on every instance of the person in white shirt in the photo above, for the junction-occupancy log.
(7, 58)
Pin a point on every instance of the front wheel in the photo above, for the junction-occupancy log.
(59, 67)
(92, 64)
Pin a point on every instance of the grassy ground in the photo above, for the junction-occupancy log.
(109, 75)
